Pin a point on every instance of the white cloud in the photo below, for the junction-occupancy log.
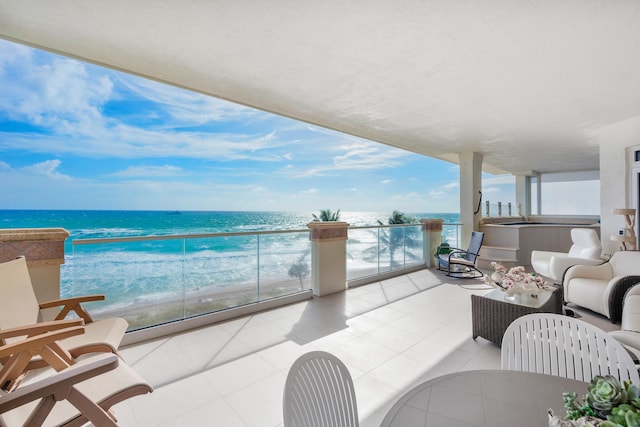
(310, 191)
(67, 99)
(186, 106)
(60, 95)
(451, 186)
(438, 194)
(128, 142)
(498, 180)
(409, 196)
(360, 155)
(490, 190)
(47, 168)
(386, 181)
(4, 165)
(149, 171)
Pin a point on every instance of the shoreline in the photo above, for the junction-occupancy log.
(177, 307)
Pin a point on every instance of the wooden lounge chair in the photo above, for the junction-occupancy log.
(19, 307)
(60, 394)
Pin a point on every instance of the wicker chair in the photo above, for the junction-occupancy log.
(461, 263)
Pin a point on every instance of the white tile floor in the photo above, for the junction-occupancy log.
(391, 335)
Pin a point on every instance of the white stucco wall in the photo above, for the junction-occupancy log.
(615, 176)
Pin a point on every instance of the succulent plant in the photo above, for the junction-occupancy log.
(624, 415)
(614, 404)
(575, 407)
(604, 393)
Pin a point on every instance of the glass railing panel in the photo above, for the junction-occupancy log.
(381, 249)
(386, 252)
(285, 264)
(153, 280)
(141, 280)
(219, 273)
(362, 253)
(413, 242)
(451, 234)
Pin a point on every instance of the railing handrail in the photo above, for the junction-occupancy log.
(360, 227)
(99, 240)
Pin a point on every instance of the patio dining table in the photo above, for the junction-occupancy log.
(494, 398)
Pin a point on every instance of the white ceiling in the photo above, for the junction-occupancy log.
(527, 83)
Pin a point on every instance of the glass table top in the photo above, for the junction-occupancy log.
(526, 300)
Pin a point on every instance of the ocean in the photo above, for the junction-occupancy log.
(83, 224)
(157, 271)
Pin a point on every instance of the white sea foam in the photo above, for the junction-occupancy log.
(148, 271)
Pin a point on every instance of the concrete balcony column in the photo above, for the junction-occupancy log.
(431, 239)
(43, 249)
(328, 256)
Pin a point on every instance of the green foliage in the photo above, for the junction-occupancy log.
(604, 393)
(607, 399)
(327, 215)
(398, 217)
(443, 249)
(395, 239)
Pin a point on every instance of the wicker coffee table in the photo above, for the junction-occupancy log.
(493, 313)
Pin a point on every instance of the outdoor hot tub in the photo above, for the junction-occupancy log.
(513, 241)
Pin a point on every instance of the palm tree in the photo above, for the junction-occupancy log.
(398, 217)
(300, 270)
(327, 215)
(394, 238)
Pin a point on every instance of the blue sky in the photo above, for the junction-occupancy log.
(78, 136)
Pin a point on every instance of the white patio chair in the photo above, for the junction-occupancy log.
(558, 345)
(319, 392)
(585, 250)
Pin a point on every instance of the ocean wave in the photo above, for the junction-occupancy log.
(154, 270)
(107, 232)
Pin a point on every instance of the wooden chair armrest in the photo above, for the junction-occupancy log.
(31, 344)
(60, 386)
(72, 304)
(17, 356)
(39, 328)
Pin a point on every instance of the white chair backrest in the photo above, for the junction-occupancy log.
(18, 303)
(586, 243)
(559, 345)
(319, 392)
(625, 263)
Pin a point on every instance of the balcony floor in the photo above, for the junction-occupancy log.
(391, 335)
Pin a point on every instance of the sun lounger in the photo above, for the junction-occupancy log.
(19, 307)
(60, 394)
